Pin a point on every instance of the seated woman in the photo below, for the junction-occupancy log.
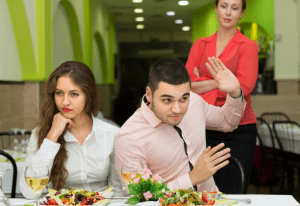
(78, 148)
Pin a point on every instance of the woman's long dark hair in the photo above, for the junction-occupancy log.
(82, 76)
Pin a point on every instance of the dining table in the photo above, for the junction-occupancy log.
(284, 141)
(256, 200)
(8, 176)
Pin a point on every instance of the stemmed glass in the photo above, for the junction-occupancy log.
(16, 147)
(37, 177)
(130, 169)
(23, 142)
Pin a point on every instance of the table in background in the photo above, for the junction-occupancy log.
(7, 178)
(285, 142)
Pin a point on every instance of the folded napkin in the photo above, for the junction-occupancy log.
(17, 159)
(230, 202)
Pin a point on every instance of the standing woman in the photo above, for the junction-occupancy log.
(240, 55)
(77, 147)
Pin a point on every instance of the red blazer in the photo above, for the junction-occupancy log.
(240, 56)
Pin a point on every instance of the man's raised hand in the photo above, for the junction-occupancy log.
(225, 80)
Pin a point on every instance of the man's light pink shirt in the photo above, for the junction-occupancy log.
(158, 146)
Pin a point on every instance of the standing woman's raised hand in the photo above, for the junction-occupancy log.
(225, 80)
(58, 126)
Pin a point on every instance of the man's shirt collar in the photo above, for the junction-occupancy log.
(149, 114)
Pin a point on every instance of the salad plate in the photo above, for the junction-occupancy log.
(76, 197)
(190, 197)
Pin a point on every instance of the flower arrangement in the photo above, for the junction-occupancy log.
(144, 186)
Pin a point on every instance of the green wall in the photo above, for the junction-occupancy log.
(76, 28)
(260, 11)
(205, 22)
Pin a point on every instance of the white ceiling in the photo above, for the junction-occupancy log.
(154, 14)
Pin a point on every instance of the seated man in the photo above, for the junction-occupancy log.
(167, 134)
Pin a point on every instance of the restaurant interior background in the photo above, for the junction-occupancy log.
(38, 35)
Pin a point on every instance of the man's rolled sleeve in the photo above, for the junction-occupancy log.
(227, 117)
(233, 110)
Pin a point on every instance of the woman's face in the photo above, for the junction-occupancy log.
(229, 12)
(70, 100)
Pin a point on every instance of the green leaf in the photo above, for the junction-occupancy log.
(133, 201)
(145, 186)
(134, 189)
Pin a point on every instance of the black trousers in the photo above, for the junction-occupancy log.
(242, 145)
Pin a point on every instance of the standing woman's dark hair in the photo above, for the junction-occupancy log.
(243, 1)
(83, 77)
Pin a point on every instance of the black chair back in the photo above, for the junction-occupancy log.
(287, 133)
(238, 163)
(266, 135)
(270, 117)
(7, 138)
(268, 163)
(15, 172)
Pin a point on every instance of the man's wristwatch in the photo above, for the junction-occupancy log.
(242, 95)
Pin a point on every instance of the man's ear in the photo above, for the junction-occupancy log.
(148, 94)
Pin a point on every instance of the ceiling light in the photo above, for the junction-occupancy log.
(137, 1)
(185, 28)
(140, 26)
(139, 19)
(178, 21)
(171, 13)
(138, 10)
(183, 3)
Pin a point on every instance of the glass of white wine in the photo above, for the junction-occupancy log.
(129, 170)
(37, 177)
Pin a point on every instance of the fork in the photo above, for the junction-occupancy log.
(245, 201)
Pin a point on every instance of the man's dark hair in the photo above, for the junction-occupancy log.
(168, 70)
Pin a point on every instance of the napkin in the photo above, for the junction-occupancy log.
(17, 159)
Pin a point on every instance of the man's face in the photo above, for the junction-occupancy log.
(169, 102)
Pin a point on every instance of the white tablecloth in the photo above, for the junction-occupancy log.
(7, 179)
(257, 200)
(285, 142)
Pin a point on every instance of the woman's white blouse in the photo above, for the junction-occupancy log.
(91, 166)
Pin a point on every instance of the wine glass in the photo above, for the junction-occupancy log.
(15, 146)
(37, 177)
(129, 170)
(23, 142)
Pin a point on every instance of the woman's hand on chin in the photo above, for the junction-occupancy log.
(58, 126)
